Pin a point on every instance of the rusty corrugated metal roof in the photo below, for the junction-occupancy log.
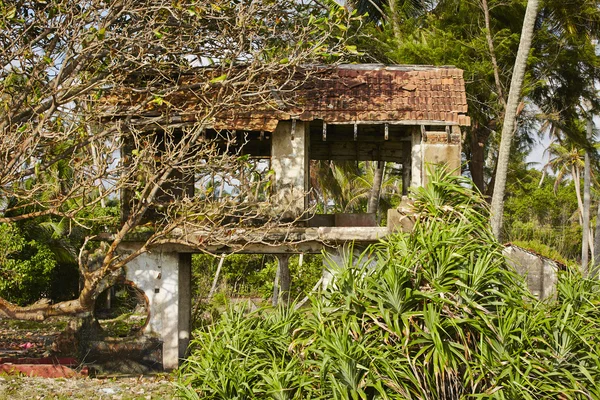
(357, 93)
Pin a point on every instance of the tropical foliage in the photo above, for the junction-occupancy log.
(543, 211)
(436, 314)
(253, 274)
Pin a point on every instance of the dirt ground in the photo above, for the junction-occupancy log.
(26, 339)
(33, 388)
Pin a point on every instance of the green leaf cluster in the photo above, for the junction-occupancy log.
(26, 266)
(431, 314)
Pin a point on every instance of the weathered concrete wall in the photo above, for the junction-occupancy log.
(434, 148)
(540, 272)
(446, 154)
(290, 162)
(164, 278)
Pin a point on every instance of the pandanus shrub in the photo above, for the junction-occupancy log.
(435, 313)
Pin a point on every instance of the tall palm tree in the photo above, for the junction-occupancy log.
(570, 160)
(508, 128)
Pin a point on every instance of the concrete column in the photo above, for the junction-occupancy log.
(416, 165)
(157, 274)
(441, 148)
(185, 302)
(406, 171)
(290, 163)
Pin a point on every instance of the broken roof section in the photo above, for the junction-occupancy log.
(353, 93)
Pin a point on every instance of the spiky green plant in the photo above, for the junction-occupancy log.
(431, 314)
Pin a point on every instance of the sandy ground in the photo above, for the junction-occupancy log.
(141, 388)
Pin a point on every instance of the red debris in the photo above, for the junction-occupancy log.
(42, 370)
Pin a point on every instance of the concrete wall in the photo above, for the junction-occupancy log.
(165, 279)
(290, 162)
(434, 148)
(540, 272)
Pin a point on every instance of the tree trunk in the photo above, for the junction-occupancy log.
(596, 258)
(586, 234)
(275, 298)
(586, 215)
(508, 127)
(490, 43)
(477, 161)
(577, 181)
(41, 310)
(281, 288)
(213, 287)
(395, 20)
(375, 193)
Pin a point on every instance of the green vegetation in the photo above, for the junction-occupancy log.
(544, 213)
(252, 275)
(439, 315)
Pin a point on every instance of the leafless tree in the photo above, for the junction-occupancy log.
(122, 94)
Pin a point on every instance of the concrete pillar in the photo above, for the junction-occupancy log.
(416, 165)
(290, 163)
(406, 171)
(164, 278)
(443, 148)
(185, 302)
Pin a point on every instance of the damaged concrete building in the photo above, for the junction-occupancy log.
(408, 115)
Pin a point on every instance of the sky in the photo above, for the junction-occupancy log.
(538, 154)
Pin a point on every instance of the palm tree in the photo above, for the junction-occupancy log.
(354, 187)
(392, 11)
(571, 161)
(566, 161)
(508, 128)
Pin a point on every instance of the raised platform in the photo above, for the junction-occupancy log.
(264, 241)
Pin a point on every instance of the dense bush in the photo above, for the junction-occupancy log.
(437, 315)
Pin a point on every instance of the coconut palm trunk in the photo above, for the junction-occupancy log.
(508, 128)
(596, 259)
(586, 215)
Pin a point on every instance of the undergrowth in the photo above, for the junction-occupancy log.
(434, 314)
